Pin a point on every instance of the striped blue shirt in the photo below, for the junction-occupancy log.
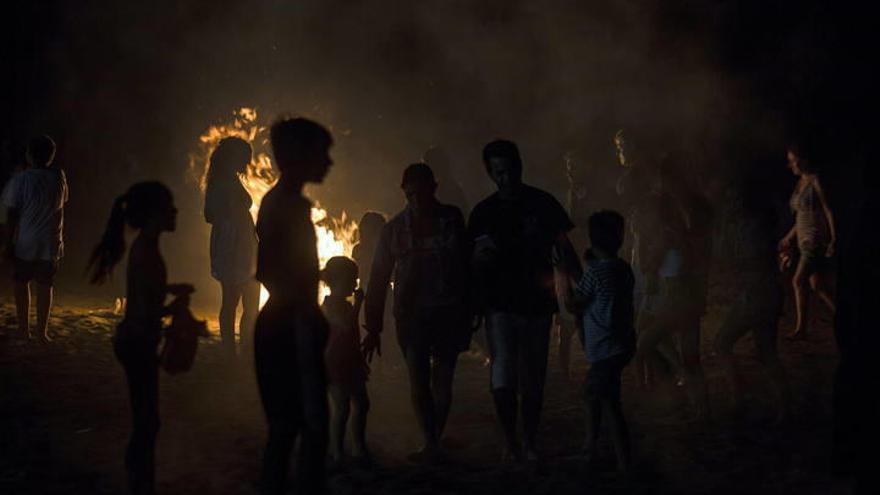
(607, 284)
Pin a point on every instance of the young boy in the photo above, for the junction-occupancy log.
(604, 296)
(346, 368)
(291, 332)
(35, 200)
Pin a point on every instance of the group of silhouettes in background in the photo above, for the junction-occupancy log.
(506, 269)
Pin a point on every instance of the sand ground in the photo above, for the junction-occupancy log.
(64, 421)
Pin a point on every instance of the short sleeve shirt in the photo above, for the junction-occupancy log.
(39, 194)
(607, 284)
(524, 230)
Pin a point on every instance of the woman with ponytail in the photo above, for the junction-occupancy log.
(233, 239)
(147, 207)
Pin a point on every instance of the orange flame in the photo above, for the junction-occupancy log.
(335, 236)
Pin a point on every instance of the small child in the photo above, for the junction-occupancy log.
(347, 370)
(149, 208)
(604, 296)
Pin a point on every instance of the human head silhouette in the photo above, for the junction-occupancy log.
(301, 148)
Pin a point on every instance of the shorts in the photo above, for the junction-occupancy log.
(438, 332)
(42, 271)
(603, 377)
(813, 259)
(518, 346)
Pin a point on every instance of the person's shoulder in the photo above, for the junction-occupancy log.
(449, 211)
(535, 194)
(485, 204)
(396, 221)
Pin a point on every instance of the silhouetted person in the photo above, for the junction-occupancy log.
(758, 304)
(814, 233)
(578, 207)
(604, 299)
(347, 369)
(516, 232)
(233, 239)
(427, 249)
(35, 201)
(149, 208)
(369, 232)
(699, 217)
(660, 239)
(291, 331)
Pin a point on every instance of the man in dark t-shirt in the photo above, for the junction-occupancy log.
(518, 232)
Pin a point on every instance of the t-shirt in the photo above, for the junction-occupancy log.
(608, 316)
(429, 268)
(39, 194)
(287, 256)
(523, 230)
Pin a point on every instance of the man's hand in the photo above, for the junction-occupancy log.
(372, 344)
(358, 296)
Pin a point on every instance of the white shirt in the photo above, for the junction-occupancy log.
(39, 195)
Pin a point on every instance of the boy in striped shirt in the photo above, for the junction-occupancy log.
(604, 298)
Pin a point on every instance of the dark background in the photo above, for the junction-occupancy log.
(125, 88)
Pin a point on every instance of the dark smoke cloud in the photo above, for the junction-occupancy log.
(129, 86)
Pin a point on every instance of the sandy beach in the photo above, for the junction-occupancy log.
(64, 421)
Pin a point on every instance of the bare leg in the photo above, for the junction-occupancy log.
(360, 407)
(231, 294)
(593, 423)
(566, 333)
(339, 412)
(250, 302)
(819, 284)
(728, 368)
(646, 357)
(613, 410)
(442, 373)
(23, 307)
(505, 408)
(693, 368)
(419, 367)
(45, 295)
(801, 298)
(533, 351)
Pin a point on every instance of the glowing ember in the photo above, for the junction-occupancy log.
(336, 236)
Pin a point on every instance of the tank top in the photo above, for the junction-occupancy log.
(809, 220)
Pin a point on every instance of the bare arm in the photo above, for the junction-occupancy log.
(13, 217)
(377, 291)
(829, 215)
(568, 259)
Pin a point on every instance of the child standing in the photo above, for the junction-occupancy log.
(346, 368)
(604, 296)
(291, 331)
(149, 208)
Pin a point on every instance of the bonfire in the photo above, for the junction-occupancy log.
(335, 236)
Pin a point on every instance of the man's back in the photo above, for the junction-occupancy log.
(39, 195)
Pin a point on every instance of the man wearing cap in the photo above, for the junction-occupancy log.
(426, 248)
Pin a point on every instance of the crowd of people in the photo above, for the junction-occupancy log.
(635, 299)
